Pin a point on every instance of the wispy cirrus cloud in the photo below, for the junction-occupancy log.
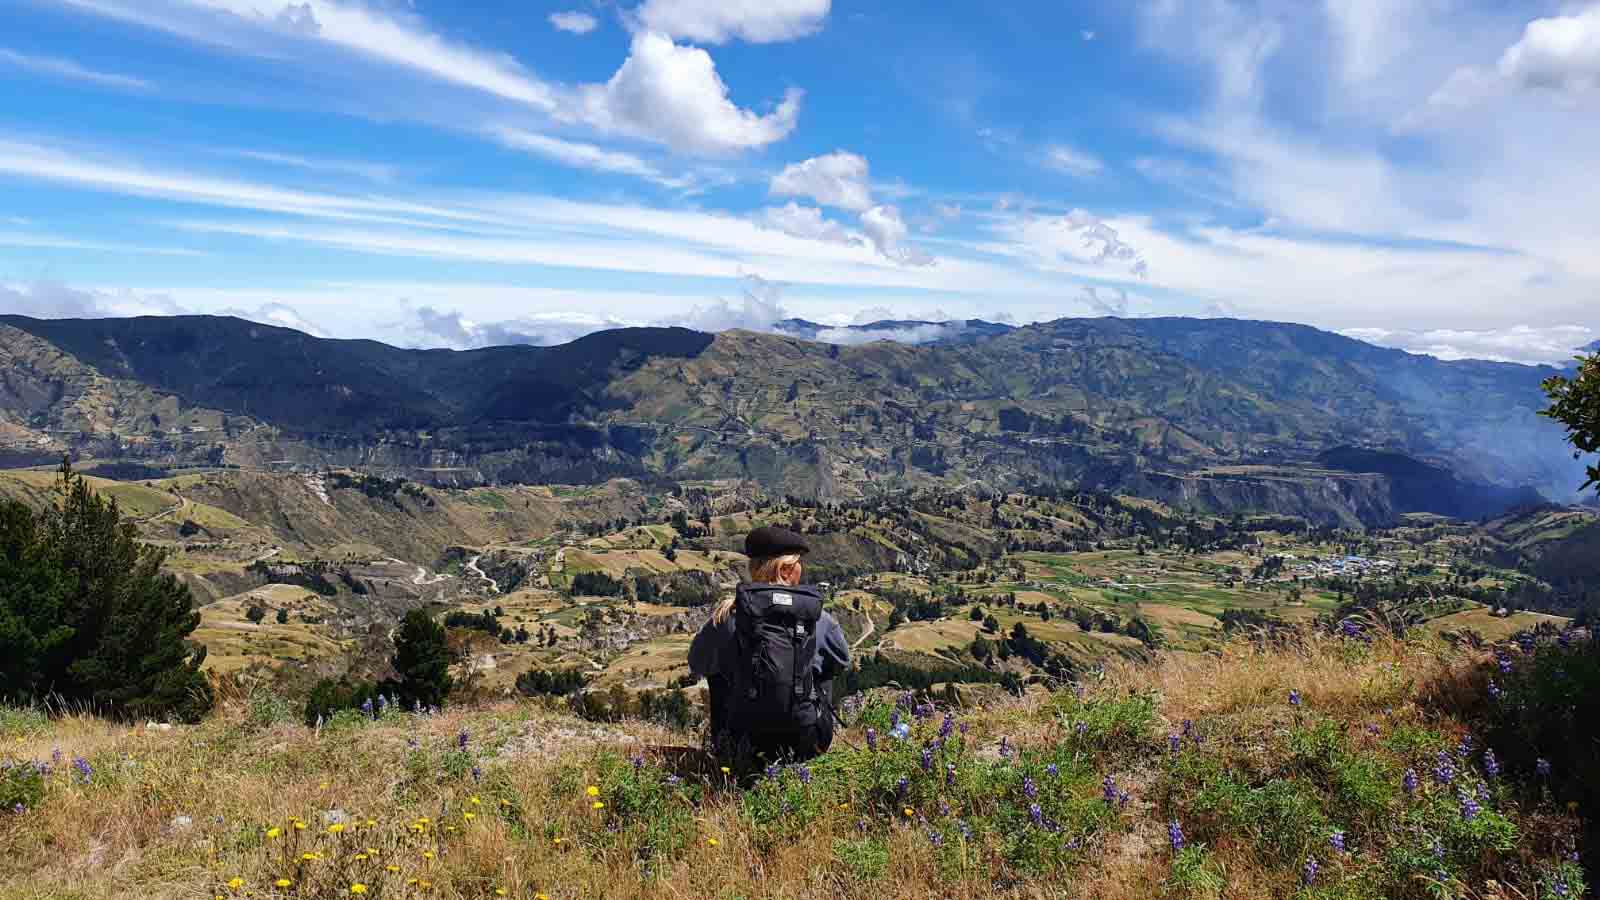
(66, 68)
(580, 155)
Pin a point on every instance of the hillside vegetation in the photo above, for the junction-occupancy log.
(1328, 766)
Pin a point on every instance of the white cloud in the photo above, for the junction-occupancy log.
(1560, 53)
(1073, 162)
(807, 222)
(1078, 236)
(54, 242)
(837, 179)
(53, 300)
(1553, 344)
(911, 334)
(720, 21)
(1114, 302)
(66, 68)
(672, 95)
(1086, 34)
(400, 39)
(279, 314)
(586, 156)
(371, 171)
(431, 327)
(759, 305)
(887, 231)
(574, 21)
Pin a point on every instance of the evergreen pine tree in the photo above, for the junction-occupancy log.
(422, 658)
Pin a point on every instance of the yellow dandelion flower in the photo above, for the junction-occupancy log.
(391, 868)
(410, 882)
(336, 828)
(449, 829)
(282, 883)
(712, 842)
(360, 857)
(473, 801)
(592, 791)
(323, 786)
(541, 896)
(597, 805)
(310, 857)
(274, 832)
(469, 816)
(371, 852)
(418, 829)
(423, 820)
(372, 823)
(499, 892)
(559, 841)
(235, 883)
(424, 885)
(844, 806)
(505, 802)
(726, 770)
(427, 854)
(299, 825)
(358, 888)
(910, 813)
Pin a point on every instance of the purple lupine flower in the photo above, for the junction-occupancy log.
(861, 825)
(772, 771)
(894, 720)
(1444, 771)
(947, 726)
(1469, 805)
(477, 774)
(411, 742)
(1081, 729)
(1504, 662)
(1491, 766)
(901, 787)
(1029, 789)
(1410, 781)
(1560, 888)
(805, 775)
(462, 739)
(1036, 814)
(85, 771)
(962, 728)
(1494, 690)
(1188, 728)
(1175, 835)
(1542, 766)
(1308, 872)
(638, 762)
(383, 704)
(1294, 698)
(1077, 690)
(1122, 798)
(1109, 789)
(872, 738)
(924, 711)
(1336, 841)
(950, 775)
(1465, 750)
(1373, 730)
(366, 707)
(55, 756)
(1052, 770)
(927, 760)
(673, 781)
(1173, 743)
(944, 808)
(935, 838)
(966, 830)
(1564, 639)
(1483, 793)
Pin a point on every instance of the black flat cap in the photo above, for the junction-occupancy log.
(773, 541)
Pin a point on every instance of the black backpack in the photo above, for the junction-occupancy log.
(773, 691)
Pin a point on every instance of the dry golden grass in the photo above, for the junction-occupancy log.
(236, 777)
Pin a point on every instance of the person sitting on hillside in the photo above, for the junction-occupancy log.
(770, 654)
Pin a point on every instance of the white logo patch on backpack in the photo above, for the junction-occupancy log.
(782, 599)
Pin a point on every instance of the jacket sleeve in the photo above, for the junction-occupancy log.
(705, 651)
(833, 651)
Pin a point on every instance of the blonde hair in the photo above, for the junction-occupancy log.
(763, 570)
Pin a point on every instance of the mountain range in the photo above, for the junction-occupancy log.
(1202, 413)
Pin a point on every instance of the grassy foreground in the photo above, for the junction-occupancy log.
(1334, 768)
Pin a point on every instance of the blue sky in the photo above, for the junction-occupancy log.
(1419, 173)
